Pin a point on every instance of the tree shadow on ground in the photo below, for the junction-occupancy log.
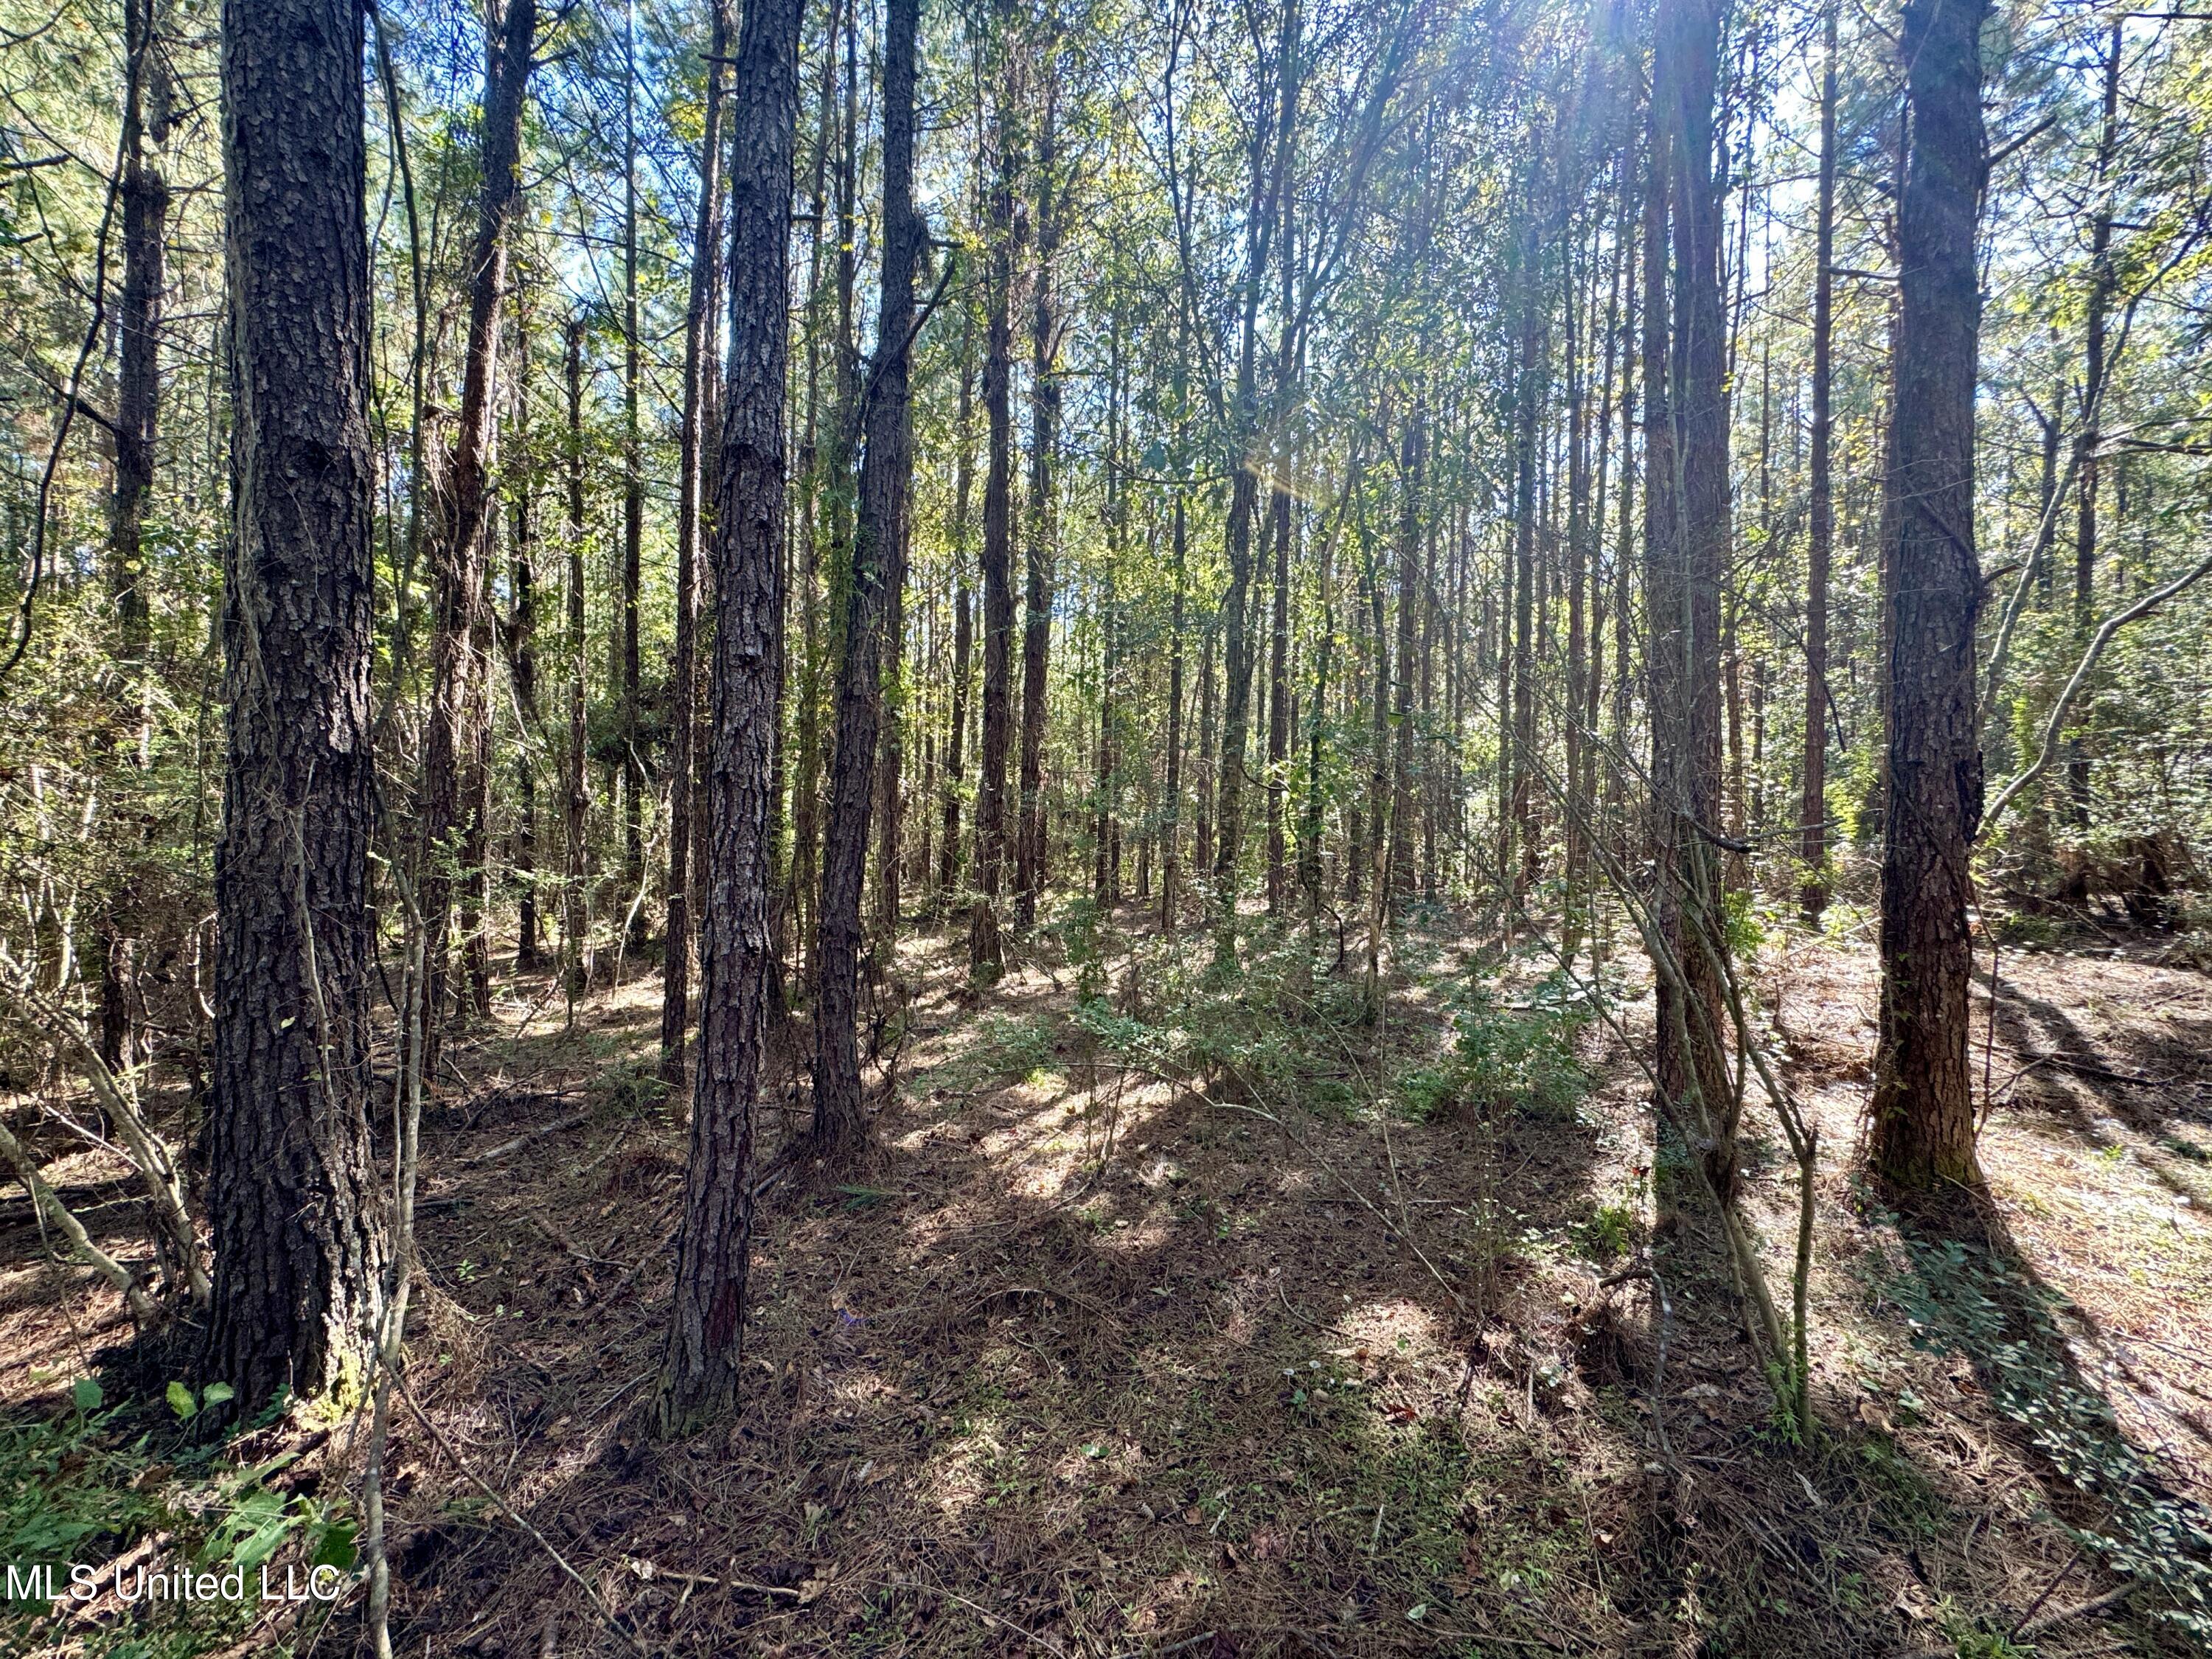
(1966, 1287)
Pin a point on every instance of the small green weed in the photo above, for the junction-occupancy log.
(1014, 1047)
(1607, 1231)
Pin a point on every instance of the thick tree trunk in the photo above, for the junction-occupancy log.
(698, 369)
(698, 1375)
(1690, 504)
(299, 1246)
(877, 543)
(1922, 1110)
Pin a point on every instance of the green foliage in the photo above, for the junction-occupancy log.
(1520, 1053)
(1015, 1047)
(88, 1483)
(1960, 1299)
(1608, 1231)
(1425, 1093)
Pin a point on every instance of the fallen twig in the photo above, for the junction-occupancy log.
(573, 1119)
(606, 1617)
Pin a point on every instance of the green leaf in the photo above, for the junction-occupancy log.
(217, 1394)
(1418, 1612)
(335, 1548)
(256, 1528)
(181, 1401)
(87, 1394)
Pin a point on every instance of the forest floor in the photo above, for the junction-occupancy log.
(1181, 1317)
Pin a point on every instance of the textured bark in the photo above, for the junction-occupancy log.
(522, 671)
(456, 784)
(878, 541)
(1813, 806)
(699, 1376)
(145, 202)
(698, 368)
(299, 1246)
(1004, 233)
(1043, 525)
(1922, 1110)
(1690, 557)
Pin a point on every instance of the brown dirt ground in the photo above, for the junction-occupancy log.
(1088, 1364)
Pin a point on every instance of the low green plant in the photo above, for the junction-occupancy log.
(1013, 1046)
(86, 1482)
(1520, 1053)
(1960, 1299)
(1425, 1093)
(1607, 1231)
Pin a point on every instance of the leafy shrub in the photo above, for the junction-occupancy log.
(1520, 1054)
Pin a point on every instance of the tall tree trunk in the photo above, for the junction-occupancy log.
(635, 782)
(700, 1369)
(1179, 533)
(145, 198)
(521, 633)
(818, 463)
(2103, 279)
(576, 792)
(1044, 440)
(1923, 1110)
(299, 1245)
(1413, 459)
(878, 543)
(683, 674)
(1105, 876)
(456, 744)
(1279, 705)
(1527, 419)
(1002, 234)
(1813, 806)
(963, 623)
(1689, 557)
(1579, 273)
